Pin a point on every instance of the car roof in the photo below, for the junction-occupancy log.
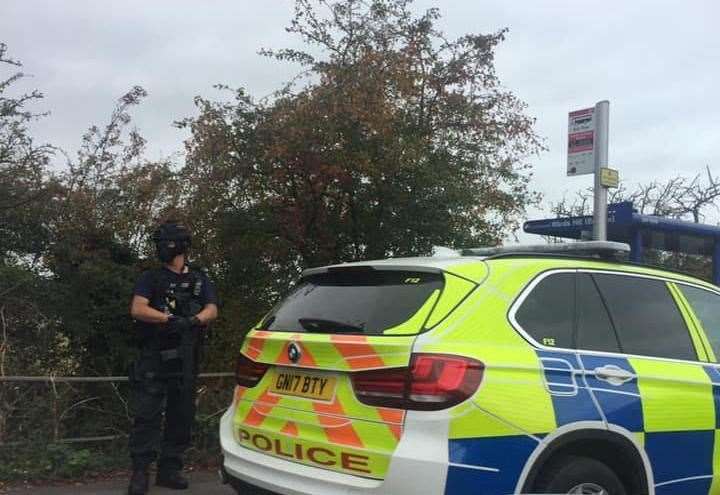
(546, 262)
(558, 262)
(440, 262)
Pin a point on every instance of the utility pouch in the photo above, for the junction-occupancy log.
(139, 372)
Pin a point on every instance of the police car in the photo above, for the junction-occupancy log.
(492, 373)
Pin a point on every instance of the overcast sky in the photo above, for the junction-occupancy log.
(657, 62)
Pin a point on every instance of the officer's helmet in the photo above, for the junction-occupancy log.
(171, 239)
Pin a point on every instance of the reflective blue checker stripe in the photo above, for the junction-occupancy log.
(506, 454)
(689, 487)
(568, 390)
(680, 455)
(621, 404)
(682, 462)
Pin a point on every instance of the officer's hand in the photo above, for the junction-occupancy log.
(182, 323)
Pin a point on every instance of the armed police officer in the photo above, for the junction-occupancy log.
(172, 306)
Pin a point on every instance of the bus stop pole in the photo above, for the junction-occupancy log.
(602, 117)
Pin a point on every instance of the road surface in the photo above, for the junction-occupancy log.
(201, 482)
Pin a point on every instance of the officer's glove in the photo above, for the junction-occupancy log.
(182, 323)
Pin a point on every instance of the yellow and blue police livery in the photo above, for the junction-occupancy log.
(492, 373)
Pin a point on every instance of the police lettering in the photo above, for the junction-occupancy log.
(316, 455)
(261, 442)
(326, 459)
(354, 462)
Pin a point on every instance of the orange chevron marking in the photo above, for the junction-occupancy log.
(396, 430)
(261, 408)
(239, 392)
(290, 429)
(394, 420)
(338, 434)
(356, 350)
(395, 416)
(334, 422)
(256, 344)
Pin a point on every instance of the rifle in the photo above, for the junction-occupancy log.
(186, 306)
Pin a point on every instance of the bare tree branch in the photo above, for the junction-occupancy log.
(679, 197)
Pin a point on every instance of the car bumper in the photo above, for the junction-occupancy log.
(419, 465)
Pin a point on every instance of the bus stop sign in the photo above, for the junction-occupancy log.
(581, 142)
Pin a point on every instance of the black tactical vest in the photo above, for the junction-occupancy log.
(179, 295)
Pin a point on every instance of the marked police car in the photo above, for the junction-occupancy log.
(495, 373)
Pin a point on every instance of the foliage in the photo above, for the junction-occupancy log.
(400, 140)
(392, 139)
(25, 201)
(109, 200)
(397, 139)
(71, 245)
(34, 448)
(24, 183)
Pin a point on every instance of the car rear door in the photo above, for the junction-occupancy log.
(643, 367)
(703, 304)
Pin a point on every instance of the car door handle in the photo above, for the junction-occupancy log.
(614, 375)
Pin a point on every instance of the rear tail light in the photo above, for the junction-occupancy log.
(248, 372)
(432, 382)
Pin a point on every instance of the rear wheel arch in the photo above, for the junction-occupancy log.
(615, 447)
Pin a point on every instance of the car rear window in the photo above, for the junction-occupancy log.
(646, 317)
(354, 301)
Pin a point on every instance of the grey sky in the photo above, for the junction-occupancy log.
(657, 62)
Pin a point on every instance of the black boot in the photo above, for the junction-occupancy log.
(139, 482)
(171, 479)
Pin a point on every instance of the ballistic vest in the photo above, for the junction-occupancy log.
(179, 295)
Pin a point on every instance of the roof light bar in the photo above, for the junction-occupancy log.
(583, 248)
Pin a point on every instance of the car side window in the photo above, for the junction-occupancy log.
(646, 317)
(595, 331)
(547, 312)
(706, 306)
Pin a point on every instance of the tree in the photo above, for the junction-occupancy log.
(71, 244)
(26, 193)
(25, 185)
(392, 139)
(25, 196)
(682, 198)
(110, 198)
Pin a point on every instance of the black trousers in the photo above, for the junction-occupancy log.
(157, 393)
